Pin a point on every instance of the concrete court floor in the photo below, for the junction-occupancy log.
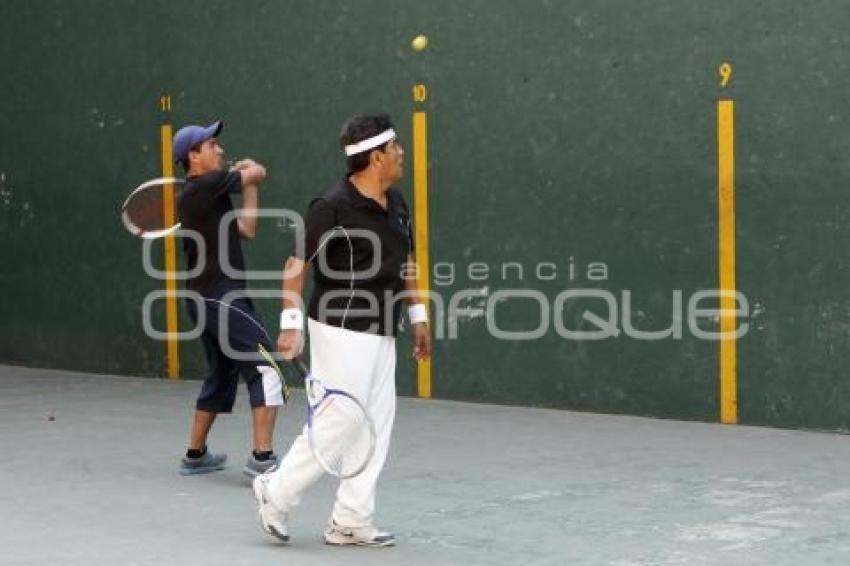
(465, 484)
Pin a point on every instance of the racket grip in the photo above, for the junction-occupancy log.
(303, 371)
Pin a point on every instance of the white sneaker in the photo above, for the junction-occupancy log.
(359, 536)
(272, 520)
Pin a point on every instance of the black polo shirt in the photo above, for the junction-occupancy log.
(201, 206)
(357, 280)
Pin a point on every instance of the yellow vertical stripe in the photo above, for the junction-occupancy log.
(420, 204)
(170, 257)
(726, 201)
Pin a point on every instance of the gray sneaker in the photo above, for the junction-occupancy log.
(205, 464)
(368, 535)
(254, 467)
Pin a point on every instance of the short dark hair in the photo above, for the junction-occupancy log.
(185, 162)
(358, 128)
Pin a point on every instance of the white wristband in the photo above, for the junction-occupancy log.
(291, 319)
(417, 313)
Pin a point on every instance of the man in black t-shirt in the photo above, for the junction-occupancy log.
(359, 243)
(232, 331)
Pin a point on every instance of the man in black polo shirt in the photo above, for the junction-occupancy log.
(232, 331)
(358, 238)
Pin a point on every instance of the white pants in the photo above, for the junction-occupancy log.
(364, 366)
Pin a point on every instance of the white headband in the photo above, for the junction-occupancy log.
(370, 143)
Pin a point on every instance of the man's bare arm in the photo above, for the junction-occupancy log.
(252, 175)
(291, 341)
(421, 332)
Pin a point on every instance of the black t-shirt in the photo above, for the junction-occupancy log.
(201, 207)
(357, 279)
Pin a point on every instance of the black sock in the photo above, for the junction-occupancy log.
(192, 453)
(263, 456)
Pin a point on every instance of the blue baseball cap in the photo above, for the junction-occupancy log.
(188, 137)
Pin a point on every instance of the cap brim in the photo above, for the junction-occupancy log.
(214, 129)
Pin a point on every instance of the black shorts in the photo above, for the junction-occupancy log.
(232, 335)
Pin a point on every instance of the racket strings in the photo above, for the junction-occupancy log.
(145, 209)
(341, 435)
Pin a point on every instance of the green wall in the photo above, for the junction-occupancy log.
(567, 132)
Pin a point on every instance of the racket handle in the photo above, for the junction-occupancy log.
(302, 368)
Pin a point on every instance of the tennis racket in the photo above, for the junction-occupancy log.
(340, 433)
(142, 212)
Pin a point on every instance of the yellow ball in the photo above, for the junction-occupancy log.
(419, 43)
